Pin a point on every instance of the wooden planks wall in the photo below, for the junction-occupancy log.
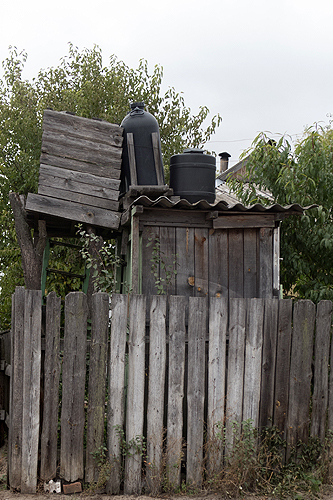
(218, 262)
(266, 379)
(79, 174)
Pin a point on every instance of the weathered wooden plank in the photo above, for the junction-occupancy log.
(73, 387)
(236, 357)
(218, 263)
(175, 388)
(16, 390)
(78, 127)
(244, 221)
(321, 368)
(97, 379)
(185, 260)
(149, 237)
(119, 309)
(135, 253)
(79, 148)
(131, 158)
(48, 468)
(196, 388)
(135, 393)
(270, 335)
(73, 211)
(73, 180)
(218, 322)
(300, 372)
(180, 218)
(31, 389)
(168, 258)
(157, 360)
(253, 353)
(276, 261)
(236, 266)
(201, 256)
(78, 124)
(111, 171)
(282, 372)
(157, 158)
(84, 199)
(250, 263)
(266, 263)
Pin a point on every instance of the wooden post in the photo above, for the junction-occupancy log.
(16, 390)
(73, 387)
(175, 388)
(300, 373)
(157, 359)
(218, 322)
(196, 388)
(97, 379)
(283, 365)
(268, 362)
(320, 388)
(31, 389)
(135, 393)
(119, 305)
(236, 356)
(48, 469)
(253, 352)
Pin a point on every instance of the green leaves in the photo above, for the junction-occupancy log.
(297, 173)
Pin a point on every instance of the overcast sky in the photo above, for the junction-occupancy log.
(264, 65)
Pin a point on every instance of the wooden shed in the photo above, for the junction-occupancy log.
(201, 249)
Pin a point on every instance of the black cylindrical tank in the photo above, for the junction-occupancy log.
(142, 125)
(192, 175)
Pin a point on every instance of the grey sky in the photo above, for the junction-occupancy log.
(264, 65)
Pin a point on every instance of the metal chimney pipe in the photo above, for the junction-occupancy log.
(224, 161)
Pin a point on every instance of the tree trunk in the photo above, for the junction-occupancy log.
(32, 248)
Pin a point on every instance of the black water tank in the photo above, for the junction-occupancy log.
(192, 175)
(142, 125)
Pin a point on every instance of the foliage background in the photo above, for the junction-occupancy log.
(82, 85)
(299, 172)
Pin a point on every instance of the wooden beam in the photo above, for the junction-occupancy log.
(244, 220)
(73, 211)
(85, 199)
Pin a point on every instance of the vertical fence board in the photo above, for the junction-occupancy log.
(236, 357)
(320, 389)
(119, 304)
(31, 389)
(218, 268)
(73, 387)
(16, 390)
(135, 393)
(175, 388)
(236, 259)
(250, 263)
(168, 256)
(253, 353)
(48, 468)
(268, 363)
(300, 372)
(185, 260)
(218, 322)
(157, 359)
(281, 392)
(196, 388)
(266, 263)
(97, 379)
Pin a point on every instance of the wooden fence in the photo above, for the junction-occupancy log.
(163, 379)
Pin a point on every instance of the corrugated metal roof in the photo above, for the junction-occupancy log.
(222, 206)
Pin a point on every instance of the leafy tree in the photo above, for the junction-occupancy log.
(300, 172)
(82, 85)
